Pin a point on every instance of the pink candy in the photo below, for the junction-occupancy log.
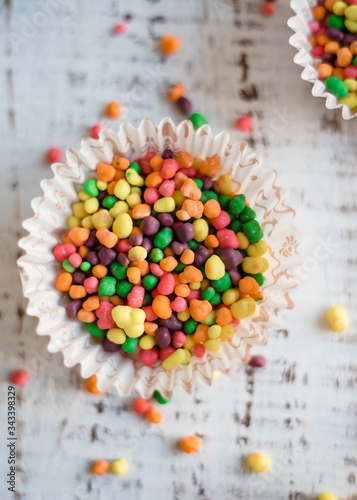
(166, 285)
(178, 339)
(318, 51)
(350, 72)
(222, 221)
(314, 26)
(156, 269)
(136, 296)
(75, 259)
(190, 172)
(124, 246)
(227, 239)
(91, 284)
(62, 252)
(169, 168)
(104, 315)
(194, 294)
(151, 195)
(179, 304)
(167, 188)
(148, 356)
(149, 313)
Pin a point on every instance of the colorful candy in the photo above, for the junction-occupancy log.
(337, 318)
(190, 444)
(54, 155)
(161, 258)
(170, 44)
(259, 462)
(19, 377)
(100, 467)
(120, 467)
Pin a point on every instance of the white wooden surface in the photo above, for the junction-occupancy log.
(300, 409)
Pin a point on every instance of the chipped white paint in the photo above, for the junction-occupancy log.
(301, 409)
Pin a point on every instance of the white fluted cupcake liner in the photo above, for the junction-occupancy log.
(39, 269)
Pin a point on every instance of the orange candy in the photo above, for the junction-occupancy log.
(212, 209)
(100, 467)
(179, 179)
(99, 271)
(143, 267)
(133, 274)
(83, 251)
(116, 300)
(187, 257)
(190, 444)
(113, 110)
(344, 57)
(91, 385)
(223, 316)
(162, 306)
(190, 189)
(153, 180)
(105, 172)
(199, 309)
(79, 235)
(77, 292)
(91, 304)
(64, 282)
(353, 47)
(248, 285)
(156, 163)
(106, 237)
(211, 241)
(325, 70)
(86, 316)
(184, 159)
(319, 13)
(120, 163)
(193, 208)
(175, 92)
(153, 415)
(191, 275)
(168, 264)
(170, 44)
(332, 47)
(182, 290)
(150, 328)
(201, 334)
(210, 167)
(141, 210)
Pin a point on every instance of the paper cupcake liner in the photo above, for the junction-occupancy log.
(39, 269)
(300, 41)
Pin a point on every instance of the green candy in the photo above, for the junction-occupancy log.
(95, 330)
(156, 255)
(135, 166)
(189, 326)
(147, 299)
(223, 283)
(118, 270)
(237, 204)
(192, 245)
(336, 86)
(210, 319)
(259, 278)
(224, 201)
(85, 266)
(107, 286)
(150, 281)
(235, 226)
(247, 214)
(130, 345)
(216, 299)
(355, 61)
(164, 238)
(180, 267)
(160, 399)
(231, 215)
(208, 293)
(198, 182)
(336, 22)
(109, 201)
(197, 120)
(208, 195)
(68, 266)
(90, 187)
(123, 288)
(253, 231)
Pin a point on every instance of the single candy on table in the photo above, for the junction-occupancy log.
(100, 467)
(19, 377)
(337, 318)
(259, 462)
(120, 467)
(190, 444)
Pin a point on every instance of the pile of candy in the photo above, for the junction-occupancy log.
(160, 259)
(334, 44)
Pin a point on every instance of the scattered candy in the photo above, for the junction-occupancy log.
(95, 131)
(113, 110)
(121, 28)
(170, 44)
(268, 9)
(160, 399)
(259, 462)
(337, 318)
(153, 415)
(190, 444)
(19, 377)
(91, 385)
(119, 467)
(244, 124)
(100, 467)
(257, 361)
(141, 405)
(326, 496)
(160, 259)
(54, 155)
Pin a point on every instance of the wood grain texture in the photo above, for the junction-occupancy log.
(300, 409)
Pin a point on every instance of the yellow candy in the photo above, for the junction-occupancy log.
(119, 208)
(137, 253)
(223, 184)
(254, 265)
(243, 241)
(258, 249)
(259, 462)
(350, 84)
(116, 335)
(350, 100)
(79, 210)
(102, 219)
(165, 205)
(82, 195)
(201, 229)
(175, 359)
(135, 189)
(120, 467)
(91, 205)
(214, 268)
(147, 342)
(210, 318)
(195, 286)
(101, 185)
(338, 319)
(188, 356)
(122, 189)
(339, 8)
(351, 25)
(131, 320)
(243, 308)
(179, 198)
(229, 296)
(212, 345)
(190, 343)
(133, 177)
(326, 496)
(88, 222)
(133, 199)
(214, 331)
(74, 222)
(351, 12)
(184, 315)
(123, 225)
(216, 375)
(227, 332)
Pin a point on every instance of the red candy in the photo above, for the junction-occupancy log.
(149, 356)
(54, 155)
(199, 350)
(95, 131)
(141, 406)
(268, 9)
(121, 28)
(104, 315)
(222, 221)
(136, 296)
(178, 339)
(227, 239)
(19, 377)
(244, 123)
(166, 285)
(62, 252)
(165, 353)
